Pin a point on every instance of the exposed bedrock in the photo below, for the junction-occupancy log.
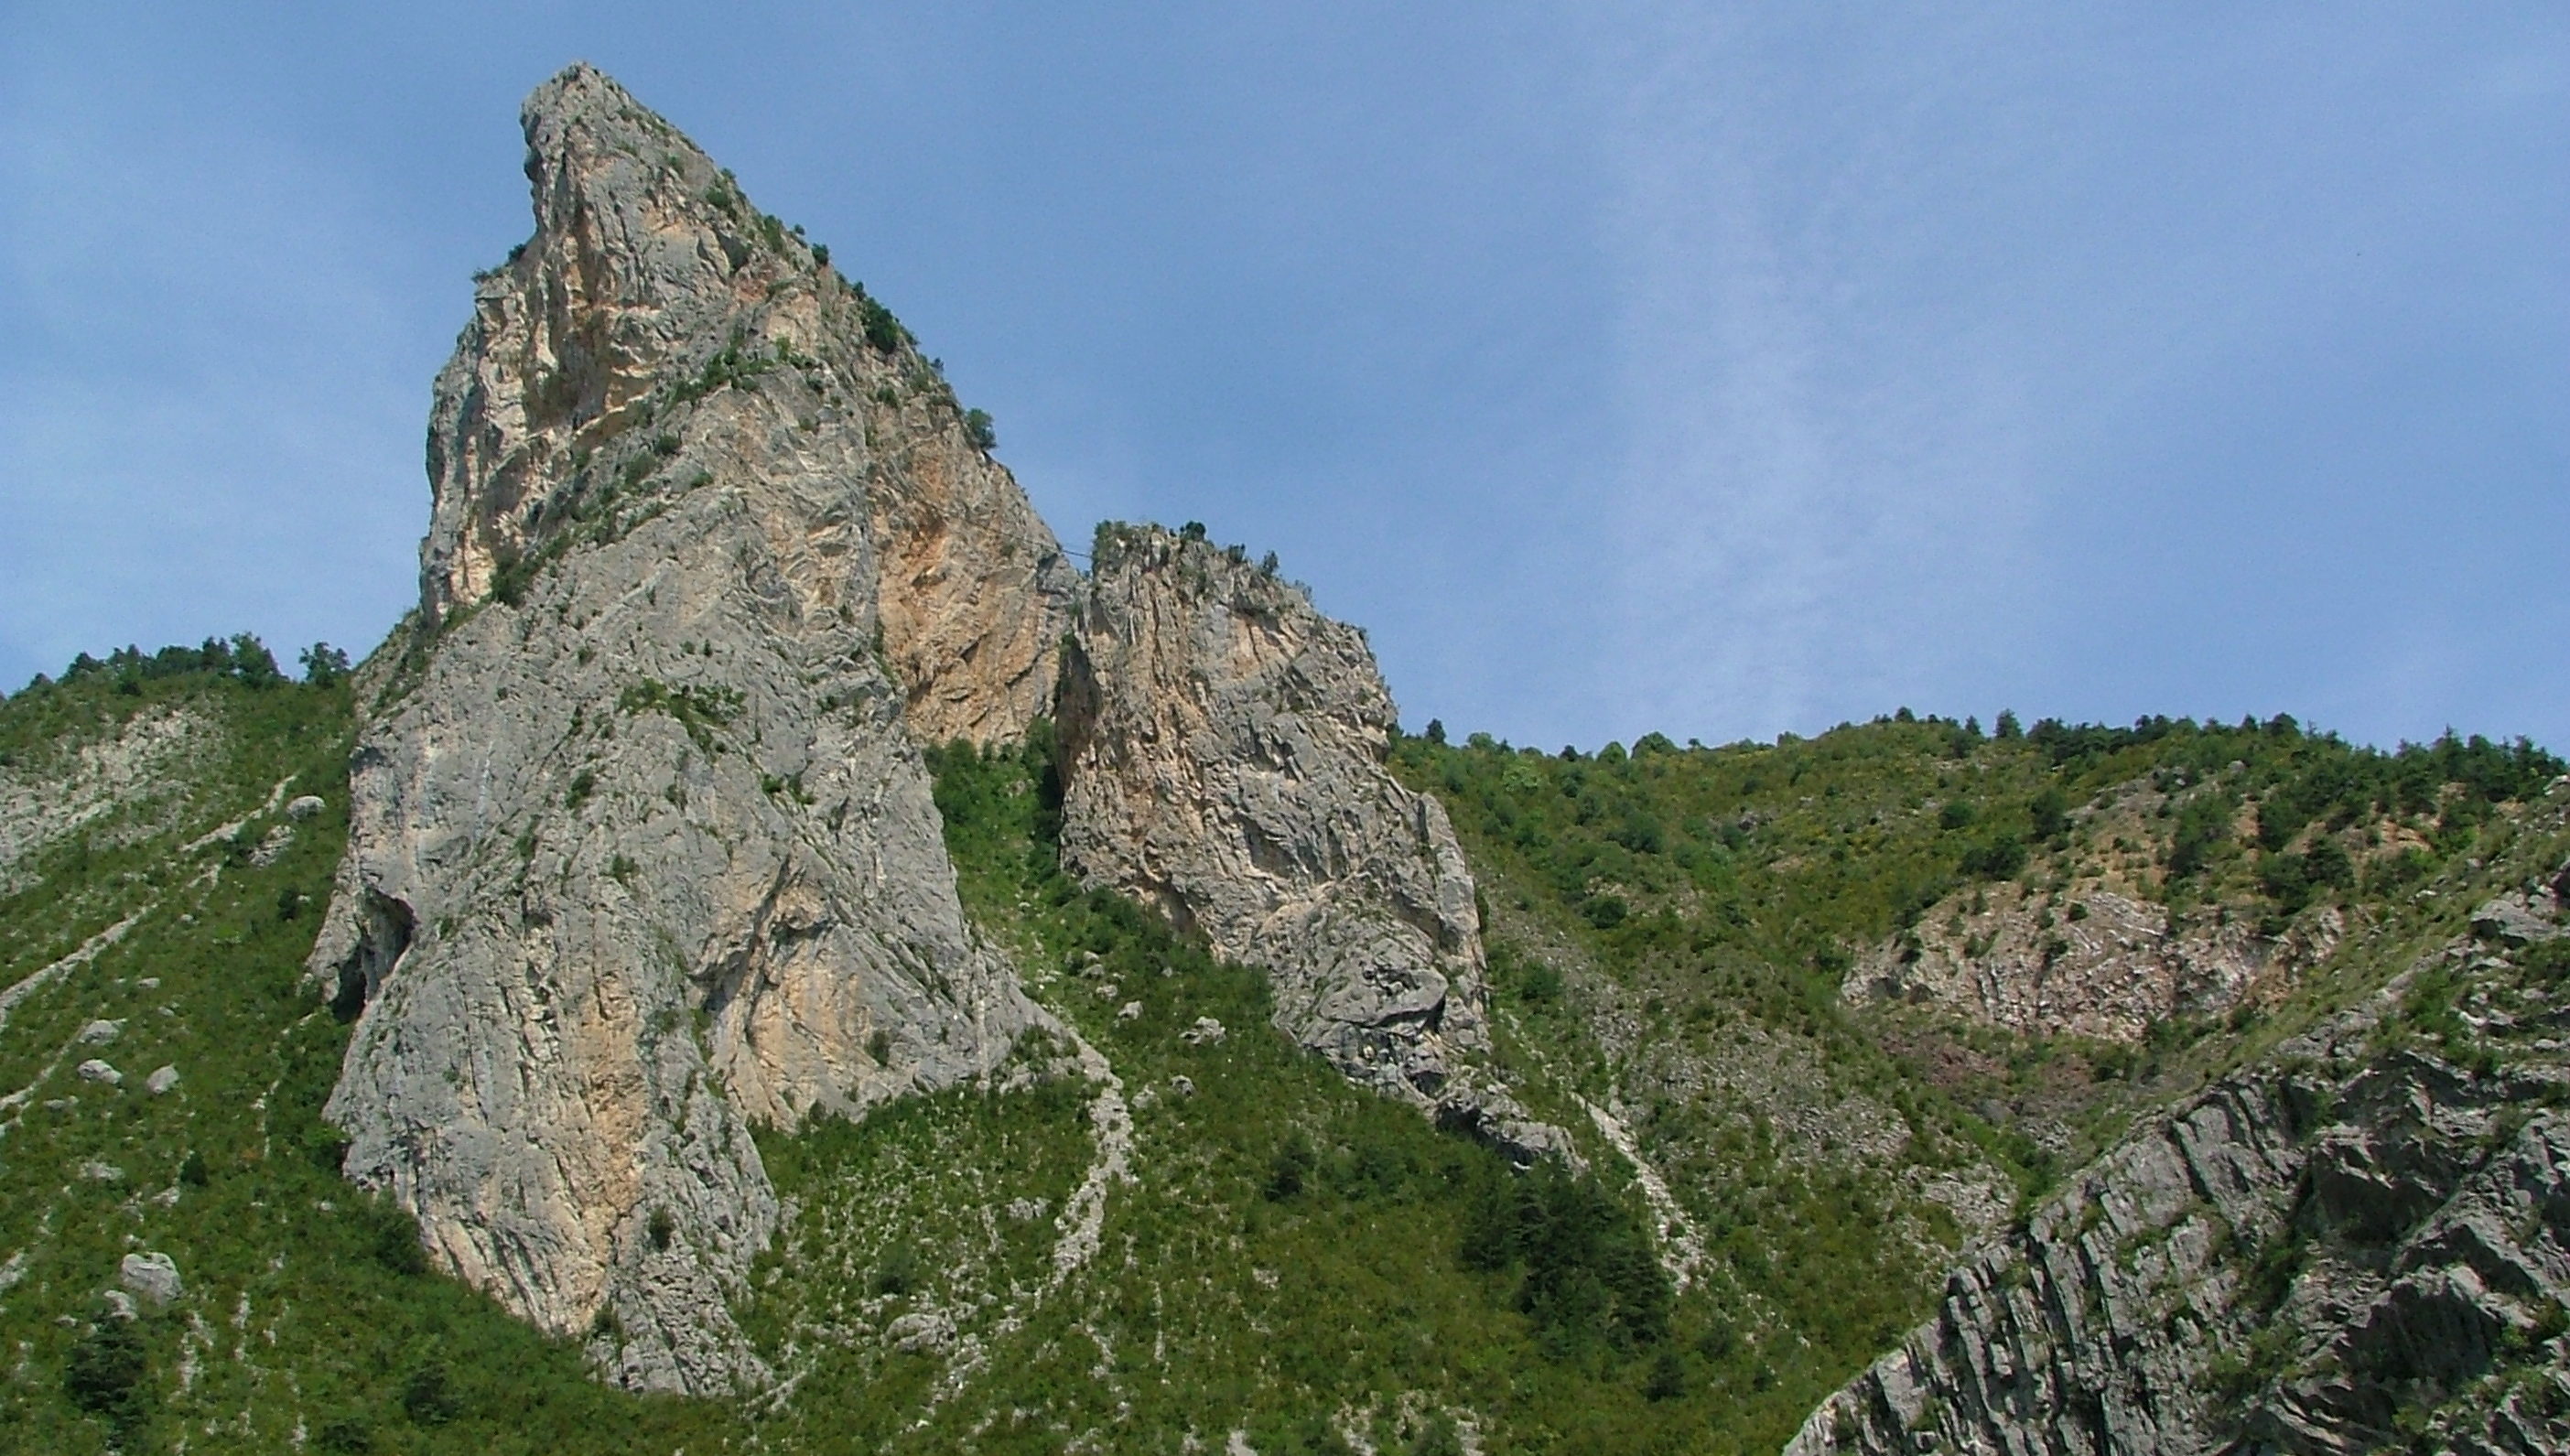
(1223, 747)
(2364, 1246)
(643, 849)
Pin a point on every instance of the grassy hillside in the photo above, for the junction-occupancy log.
(1294, 1258)
(1671, 926)
(1291, 1258)
(1278, 1254)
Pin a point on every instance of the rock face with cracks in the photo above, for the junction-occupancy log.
(2121, 966)
(653, 285)
(2364, 1246)
(1223, 747)
(641, 846)
(642, 851)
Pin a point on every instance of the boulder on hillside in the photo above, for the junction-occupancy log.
(151, 1276)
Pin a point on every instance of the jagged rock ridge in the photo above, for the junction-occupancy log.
(641, 846)
(1223, 747)
(643, 849)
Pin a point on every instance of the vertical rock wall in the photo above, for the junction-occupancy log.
(643, 849)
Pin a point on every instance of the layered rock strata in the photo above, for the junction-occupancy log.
(2363, 1247)
(642, 850)
(1223, 747)
(2107, 964)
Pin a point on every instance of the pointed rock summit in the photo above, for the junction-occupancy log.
(643, 849)
(652, 287)
(643, 852)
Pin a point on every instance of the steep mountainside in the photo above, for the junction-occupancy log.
(2360, 1242)
(1241, 1240)
(1687, 935)
(180, 1258)
(769, 957)
(642, 853)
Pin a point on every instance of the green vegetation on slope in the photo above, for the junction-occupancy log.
(1671, 928)
(304, 1308)
(1798, 852)
(1740, 884)
(1291, 1258)
(1294, 1258)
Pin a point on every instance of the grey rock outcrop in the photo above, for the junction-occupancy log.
(2522, 917)
(1223, 747)
(642, 849)
(2365, 1246)
(651, 284)
(1996, 954)
(152, 1277)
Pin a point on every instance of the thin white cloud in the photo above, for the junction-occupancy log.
(1824, 495)
(206, 425)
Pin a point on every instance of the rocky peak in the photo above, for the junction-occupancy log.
(1224, 747)
(652, 297)
(641, 846)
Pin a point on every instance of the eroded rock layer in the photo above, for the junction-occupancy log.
(643, 849)
(2364, 1246)
(1223, 747)
(2111, 970)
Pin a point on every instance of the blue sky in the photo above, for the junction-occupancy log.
(1720, 370)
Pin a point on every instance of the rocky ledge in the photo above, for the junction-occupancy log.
(2362, 1245)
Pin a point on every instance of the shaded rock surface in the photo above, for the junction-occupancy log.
(642, 847)
(2364, 1244)
(1223, 749)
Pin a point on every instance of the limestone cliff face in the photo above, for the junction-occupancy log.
(1223, 747)
(643, 849)
(2365, 1246)
(650, 280)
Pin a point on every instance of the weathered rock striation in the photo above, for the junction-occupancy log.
(2362, 1245)
(651, 284)
(2121, 964)
(1223, 747)
(641, 846)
